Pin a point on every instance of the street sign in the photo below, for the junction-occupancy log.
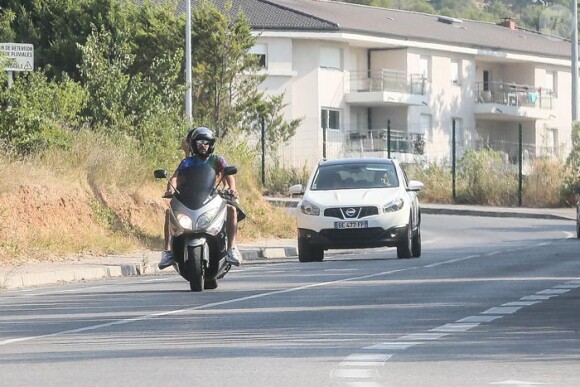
(17, 56)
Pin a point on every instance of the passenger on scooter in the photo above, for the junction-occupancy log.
(202, 144)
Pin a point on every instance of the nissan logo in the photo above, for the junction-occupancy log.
(350, 212)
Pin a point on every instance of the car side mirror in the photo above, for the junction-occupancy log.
(297, 189)
(415, 185)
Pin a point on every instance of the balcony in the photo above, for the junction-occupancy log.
(513, 102)
(375, 143)
(386, 87)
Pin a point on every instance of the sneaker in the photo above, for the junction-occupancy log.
(234, 257)
(166, 260)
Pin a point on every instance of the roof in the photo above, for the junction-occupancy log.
(333, 16)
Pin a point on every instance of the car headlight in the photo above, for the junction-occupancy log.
(205, 219)
(394, 205)
(184, 221)
(308, 208)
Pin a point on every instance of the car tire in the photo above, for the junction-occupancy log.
(309, 253)
(404, 247)
(416, 242)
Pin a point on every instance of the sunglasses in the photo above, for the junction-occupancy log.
(202, 142)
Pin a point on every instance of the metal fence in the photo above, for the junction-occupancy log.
(445, 144)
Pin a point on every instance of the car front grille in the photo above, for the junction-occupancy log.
(360, 212)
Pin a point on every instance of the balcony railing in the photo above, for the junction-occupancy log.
(514, 95)
(387, 80)
(378, 140)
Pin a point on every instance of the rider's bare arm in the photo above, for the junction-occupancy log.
(231, 182)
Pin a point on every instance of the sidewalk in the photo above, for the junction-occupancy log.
(145, 263)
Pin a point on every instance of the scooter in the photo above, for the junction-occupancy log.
(197, 225)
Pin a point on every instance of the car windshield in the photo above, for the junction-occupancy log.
(355, 176)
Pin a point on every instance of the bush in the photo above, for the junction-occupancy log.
(38, 113)
(436, 179)
(484, 178)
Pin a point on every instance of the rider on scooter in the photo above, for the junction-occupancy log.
(202, 144)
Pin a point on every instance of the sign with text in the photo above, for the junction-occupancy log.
(17, 56)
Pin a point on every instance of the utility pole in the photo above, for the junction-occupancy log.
(188, 93)
(574, 60)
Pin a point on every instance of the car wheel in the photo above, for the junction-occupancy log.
(404, 247)
(416, 243)
(309, 253)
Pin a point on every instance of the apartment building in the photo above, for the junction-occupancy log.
(364, 78)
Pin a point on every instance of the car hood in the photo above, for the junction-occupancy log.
(352, 197)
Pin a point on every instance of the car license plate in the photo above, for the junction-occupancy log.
(351, 224)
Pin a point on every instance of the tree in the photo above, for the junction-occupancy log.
(572, 169)
(226, 77)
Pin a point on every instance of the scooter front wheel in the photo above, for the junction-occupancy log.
(196, 267)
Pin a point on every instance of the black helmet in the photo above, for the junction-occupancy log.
(201, 133)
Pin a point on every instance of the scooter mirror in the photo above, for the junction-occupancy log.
(230, 170)
(160, 173)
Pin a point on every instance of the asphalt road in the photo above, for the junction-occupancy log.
(490, 302)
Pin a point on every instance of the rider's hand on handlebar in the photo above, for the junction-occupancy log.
(234, 193)
(168, 194)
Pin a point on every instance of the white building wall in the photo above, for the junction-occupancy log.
(294, 67)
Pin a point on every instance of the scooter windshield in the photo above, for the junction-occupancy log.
(194, 185)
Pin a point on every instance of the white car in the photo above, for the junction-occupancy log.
(358, 203)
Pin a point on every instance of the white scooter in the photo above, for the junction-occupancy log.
(197, 226)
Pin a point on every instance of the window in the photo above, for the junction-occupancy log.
(455, 72)
(330, 119)
(261, 51)
(486, 80)
(330, 57)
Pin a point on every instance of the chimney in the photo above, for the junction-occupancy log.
(508, 22)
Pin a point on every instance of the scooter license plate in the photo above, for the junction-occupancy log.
(351, 224)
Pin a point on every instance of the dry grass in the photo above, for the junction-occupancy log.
(99, 197)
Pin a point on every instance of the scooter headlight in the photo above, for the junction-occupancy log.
(205, 219)
(184, 221)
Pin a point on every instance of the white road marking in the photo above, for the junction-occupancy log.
(354, 373)
(452, 261)
(393, 345)
(455, 327)
(502, 310)
(423, 336)
(536, 297)
(521, 303)
(517, 383)
(554, 291)
(478, 319)
(570, 286)
(202, 307)
(366, 360)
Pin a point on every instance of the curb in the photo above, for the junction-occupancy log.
(14, 280)
(491, 214)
